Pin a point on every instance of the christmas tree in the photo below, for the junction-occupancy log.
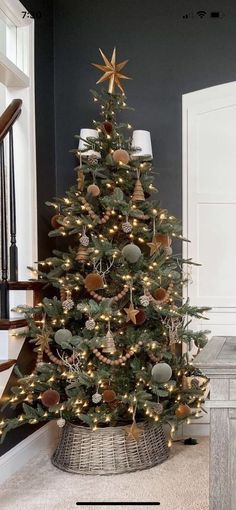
(113, 344)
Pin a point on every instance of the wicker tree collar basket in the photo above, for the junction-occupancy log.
(109, 450)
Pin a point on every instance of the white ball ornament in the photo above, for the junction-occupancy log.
(61, 423)
(62, 335)
(161, 372)
(131, 253)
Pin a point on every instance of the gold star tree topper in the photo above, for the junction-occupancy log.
(112, 72)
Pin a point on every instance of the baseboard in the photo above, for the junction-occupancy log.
(43, 439)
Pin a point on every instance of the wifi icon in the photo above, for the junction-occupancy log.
(201, 14)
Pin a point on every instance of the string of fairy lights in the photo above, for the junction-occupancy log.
(97, 220)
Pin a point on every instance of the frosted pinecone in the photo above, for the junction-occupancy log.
(144, 300)
(96, 398)
(68, 304)
(195, 383)
(126, 227)
(84, 240)
(90, 324)
(158, 408)
(92, 159)
(61, 422)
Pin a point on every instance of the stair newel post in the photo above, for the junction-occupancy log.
(13, 246)
(4, 242)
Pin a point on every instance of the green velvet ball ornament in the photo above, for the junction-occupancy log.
(161, 372)
(131, 253)
(62, 335)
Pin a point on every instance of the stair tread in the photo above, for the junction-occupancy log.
(25, 285)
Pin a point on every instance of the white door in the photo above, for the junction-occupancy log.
(209, 202)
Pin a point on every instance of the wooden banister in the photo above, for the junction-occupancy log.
(9, 116)
(5, 365)
(7, 120)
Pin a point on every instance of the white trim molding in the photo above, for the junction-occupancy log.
(43, 439)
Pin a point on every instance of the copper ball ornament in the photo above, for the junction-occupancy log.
(121, 156)
(182, 411)
(109, 396)
(50, 398)
(160, 294)
(161, 372)
(93, 281)
(107, 127)
(54, 221)
(131, 253)
(94, 190)
(164, 239)
(140, 318)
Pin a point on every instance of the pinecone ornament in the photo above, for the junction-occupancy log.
(61, 423)
(157, 408)
(195, 383)
(92, 159)
(68, 304)
(127, 227)
(96, 398)
(84, 240)
(90, 324)
(144, 300)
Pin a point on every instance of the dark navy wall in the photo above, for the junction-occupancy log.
(169, 56)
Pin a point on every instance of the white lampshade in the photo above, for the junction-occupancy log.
(88, 133)
(142, 140)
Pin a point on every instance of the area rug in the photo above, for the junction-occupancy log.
(180, 483)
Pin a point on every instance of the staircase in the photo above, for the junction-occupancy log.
(12, 291)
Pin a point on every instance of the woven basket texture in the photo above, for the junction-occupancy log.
(109, 450)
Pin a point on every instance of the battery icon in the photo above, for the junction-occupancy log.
(216, 14)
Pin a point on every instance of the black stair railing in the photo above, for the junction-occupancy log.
(12, 193)
(8, 253)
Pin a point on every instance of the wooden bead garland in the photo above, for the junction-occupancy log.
(39, 358)
(55, 360)
(118, 296)
(62, 294)
(93, 215)
(143, 217)
(153, 358)
(117, 361)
